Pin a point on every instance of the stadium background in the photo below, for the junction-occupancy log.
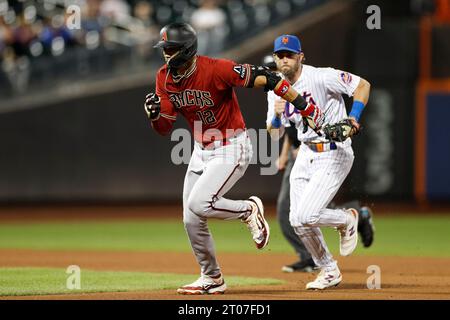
(73, 132)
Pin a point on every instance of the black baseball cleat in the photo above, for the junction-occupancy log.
(300, 266)
(366, 228)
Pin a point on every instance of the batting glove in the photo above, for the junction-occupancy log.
(313, 116)
(152, 106)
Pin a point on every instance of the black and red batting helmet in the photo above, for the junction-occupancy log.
(180, 37)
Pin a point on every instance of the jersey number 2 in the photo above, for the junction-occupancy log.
(207, 116)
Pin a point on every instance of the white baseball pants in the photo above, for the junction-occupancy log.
(210, 174)
(315, 179)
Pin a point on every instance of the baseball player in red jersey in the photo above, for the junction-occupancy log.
(201, 89)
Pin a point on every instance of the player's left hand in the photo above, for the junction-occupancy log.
(341, 130)
(356, 127)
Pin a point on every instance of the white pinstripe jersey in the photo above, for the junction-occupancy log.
(322, 86)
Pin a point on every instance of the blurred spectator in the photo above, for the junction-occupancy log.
(210, 23)
(144, 29)
(118, 31)
(92, 25)
(15, 61)
(23, 35)
(116, 10)
(6, 36)
(55, 30)
(91, 19)
(143, 11)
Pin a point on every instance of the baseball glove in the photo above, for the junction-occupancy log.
(341, 130)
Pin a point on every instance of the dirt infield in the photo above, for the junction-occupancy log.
(401, 278)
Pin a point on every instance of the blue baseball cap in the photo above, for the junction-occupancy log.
(287, 42)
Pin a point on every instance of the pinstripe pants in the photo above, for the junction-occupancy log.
(315, 179)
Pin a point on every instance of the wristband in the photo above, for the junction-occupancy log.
(357, 109)
(276, 122)
(299, 103)
(283, 88)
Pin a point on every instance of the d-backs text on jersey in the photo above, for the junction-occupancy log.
(191, 97)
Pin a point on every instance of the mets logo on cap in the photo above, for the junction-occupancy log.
(285, 40)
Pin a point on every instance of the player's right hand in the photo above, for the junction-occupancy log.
(279, 107)
(152, 106)
(281, 162)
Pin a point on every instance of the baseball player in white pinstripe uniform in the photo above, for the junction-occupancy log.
(321, 165)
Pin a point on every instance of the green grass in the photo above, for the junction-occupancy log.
(395, 236)
(40, 281)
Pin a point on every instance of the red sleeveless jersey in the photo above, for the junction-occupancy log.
(206, 97)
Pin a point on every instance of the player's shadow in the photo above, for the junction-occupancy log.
(265, 291)
(383, 286)
(361, 271)
(344, 286)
